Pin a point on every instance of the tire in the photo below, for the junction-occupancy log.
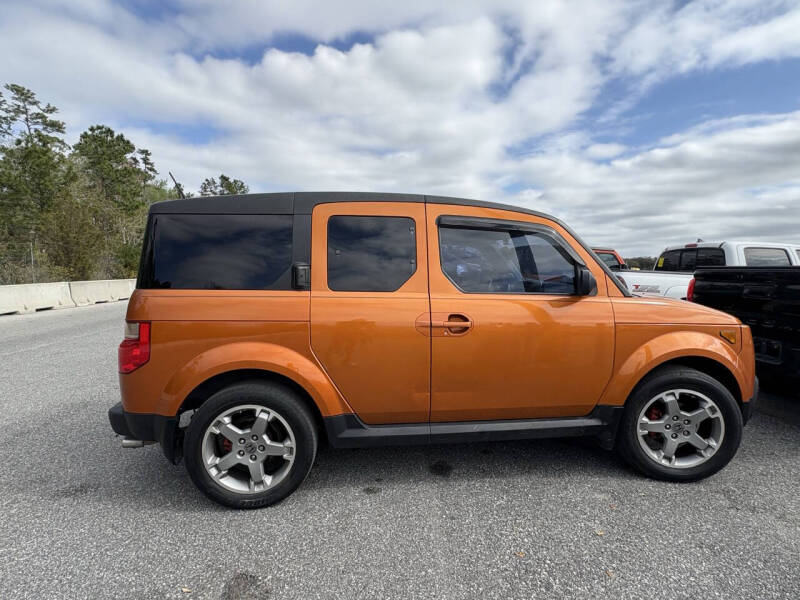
(226, 426)
(706, 412)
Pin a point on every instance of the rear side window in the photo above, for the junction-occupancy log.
(218, 252)
(668, 261)
(370, 254)
(766, 257)
(512, 262)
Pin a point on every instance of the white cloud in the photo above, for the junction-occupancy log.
(604, 150)
(470, 98)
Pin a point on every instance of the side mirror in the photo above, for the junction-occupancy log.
(586, 284)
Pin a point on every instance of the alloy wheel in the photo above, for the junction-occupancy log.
(248, 449)
(680, 428)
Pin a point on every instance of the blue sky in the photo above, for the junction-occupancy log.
(641, 123)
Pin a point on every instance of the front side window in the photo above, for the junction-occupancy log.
(766, 257)
(516, 262)
(230, 252)
(370, 254)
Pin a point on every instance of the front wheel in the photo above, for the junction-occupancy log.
(250, 445)
(680, 425)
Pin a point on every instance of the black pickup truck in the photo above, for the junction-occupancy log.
(768, 300)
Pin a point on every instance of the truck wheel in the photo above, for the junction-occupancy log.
(250, 445)
(680, 425)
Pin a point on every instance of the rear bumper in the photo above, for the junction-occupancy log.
(749, 406)
(148, 428)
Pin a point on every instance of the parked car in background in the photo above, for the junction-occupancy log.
(265, 324)
(612, 258)
(768, 300)
(673, 270)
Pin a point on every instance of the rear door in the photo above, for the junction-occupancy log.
(369, 293)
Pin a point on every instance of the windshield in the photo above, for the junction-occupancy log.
(608, 258)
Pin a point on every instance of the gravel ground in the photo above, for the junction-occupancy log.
(81, 517)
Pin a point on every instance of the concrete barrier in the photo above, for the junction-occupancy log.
(121, 289)
(30, 297)
(103, 290)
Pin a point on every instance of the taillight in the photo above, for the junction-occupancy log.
(690, 290)
(134, 351)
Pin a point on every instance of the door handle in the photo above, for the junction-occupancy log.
(440, 324)
(455, 324)
(451, 324)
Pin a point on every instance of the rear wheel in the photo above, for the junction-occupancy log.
(680, 425)
(250, 445)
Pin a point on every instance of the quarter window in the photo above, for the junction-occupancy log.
(230, 252)
(766, 257)
(370, 254)
(515, 262)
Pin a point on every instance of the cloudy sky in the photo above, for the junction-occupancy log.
(640, 123)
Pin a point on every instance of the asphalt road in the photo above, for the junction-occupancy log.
(81, 517)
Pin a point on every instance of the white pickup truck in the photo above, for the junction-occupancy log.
(675, 267)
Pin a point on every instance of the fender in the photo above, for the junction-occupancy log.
(664, 348)
(259, 356)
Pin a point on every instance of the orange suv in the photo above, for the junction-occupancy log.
(265, 324)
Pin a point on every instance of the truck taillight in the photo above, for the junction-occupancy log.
(690, 290)
(134, 351)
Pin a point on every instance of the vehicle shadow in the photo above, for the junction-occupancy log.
(92, 467)
(142, 478)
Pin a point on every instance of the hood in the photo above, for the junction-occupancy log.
(668, 311)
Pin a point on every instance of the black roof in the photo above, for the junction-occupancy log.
(302, 203)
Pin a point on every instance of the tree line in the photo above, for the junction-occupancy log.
(75, 212)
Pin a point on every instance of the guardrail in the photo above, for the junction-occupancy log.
(30, 297)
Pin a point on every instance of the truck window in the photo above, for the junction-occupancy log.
(766, 257)
(710, 257)
(230, 252)
(668, 261)
(609, 259)
(370, 254)
(517, 262)
(688, 260)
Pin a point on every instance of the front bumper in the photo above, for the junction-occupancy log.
(148, 428)
(749, 406)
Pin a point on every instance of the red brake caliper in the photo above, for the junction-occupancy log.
(654, 414)
(227, 446)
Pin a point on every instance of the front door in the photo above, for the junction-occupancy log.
(369, 291)
(510, 337)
